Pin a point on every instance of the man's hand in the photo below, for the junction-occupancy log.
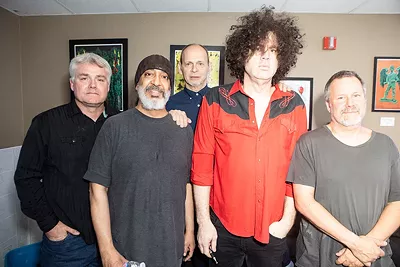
(284, 88)
(60, 232)
(207, 237)
(368, 250)
(112, 258)
(279, 229)
(346, 258)
(189, 246)
(180, 118)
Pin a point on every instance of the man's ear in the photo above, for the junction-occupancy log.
(71, 84)
(328, 106)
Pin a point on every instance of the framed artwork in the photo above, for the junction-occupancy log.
(304, 87)
(115, 51)
(386, 83)
(217, 66)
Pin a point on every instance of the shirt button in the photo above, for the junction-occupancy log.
(259, 201)
(190, 98)
(259, 160)
(198, 105)
(197, 94)
(259, 181)
(252, 122)
(73, 141)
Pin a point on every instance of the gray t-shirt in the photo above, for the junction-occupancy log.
(145, 163)
(353, 183)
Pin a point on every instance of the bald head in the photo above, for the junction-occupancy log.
(194, 48)
(194, 66)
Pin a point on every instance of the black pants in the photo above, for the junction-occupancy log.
(395, 245)
(234, 251)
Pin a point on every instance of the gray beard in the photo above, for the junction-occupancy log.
(153, 104)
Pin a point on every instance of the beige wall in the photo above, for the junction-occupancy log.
(11, 121)
(45, 53)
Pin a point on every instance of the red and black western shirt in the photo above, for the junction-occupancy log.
(246, 166)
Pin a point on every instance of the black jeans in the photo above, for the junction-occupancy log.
(234, 251)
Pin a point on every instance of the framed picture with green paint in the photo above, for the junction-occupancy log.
(386, 86)
(216, 56)
(115, 51)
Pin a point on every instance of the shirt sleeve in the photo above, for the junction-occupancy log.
(101, 157)
(394, 192)
(300, 117)
(204, 147)
(301, 170)
(169, 105)
(29, 174)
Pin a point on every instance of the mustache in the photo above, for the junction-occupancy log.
(155, 88)
(351, 109)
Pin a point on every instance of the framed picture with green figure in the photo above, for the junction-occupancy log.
(116, 53)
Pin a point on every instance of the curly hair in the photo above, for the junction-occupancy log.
(250, 34)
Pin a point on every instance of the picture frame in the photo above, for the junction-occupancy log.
(386, 83)
(217, 66)
(115, 51)
(304, 87)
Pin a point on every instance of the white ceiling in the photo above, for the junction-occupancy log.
(77, 7)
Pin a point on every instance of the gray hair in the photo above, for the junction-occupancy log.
(90, 58)
(339, 75)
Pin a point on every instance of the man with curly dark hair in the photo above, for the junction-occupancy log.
(245, 135)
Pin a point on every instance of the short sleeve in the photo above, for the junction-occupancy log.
(302, 169)
(101, 157)
(394, 193)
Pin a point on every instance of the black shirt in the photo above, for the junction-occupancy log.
(53, 159)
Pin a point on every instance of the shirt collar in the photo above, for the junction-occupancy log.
(280, 94)
(202, 92)
(237, 86)
(73, 110)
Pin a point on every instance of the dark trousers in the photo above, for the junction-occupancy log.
(395, 245)
(199, 259)
(71, 252)
(234, 251)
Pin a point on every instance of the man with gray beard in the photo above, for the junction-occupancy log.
(346, 182)
(139, 174)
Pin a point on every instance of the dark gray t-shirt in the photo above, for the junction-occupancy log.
(353, 183)
(145, 163)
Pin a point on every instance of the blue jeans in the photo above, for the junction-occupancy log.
(71, 252)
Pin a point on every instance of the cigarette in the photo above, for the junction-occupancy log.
(213, 257)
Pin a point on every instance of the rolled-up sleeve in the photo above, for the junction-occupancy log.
(204, 147)
(300, 118)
